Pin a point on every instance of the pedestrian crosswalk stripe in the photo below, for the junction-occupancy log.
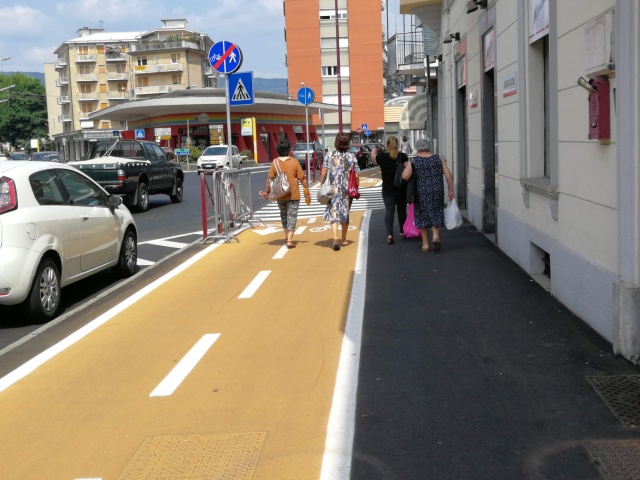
(240, 93)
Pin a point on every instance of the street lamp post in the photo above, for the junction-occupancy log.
(3, 59)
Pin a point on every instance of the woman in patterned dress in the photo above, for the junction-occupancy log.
(337, 165)
(429, 193)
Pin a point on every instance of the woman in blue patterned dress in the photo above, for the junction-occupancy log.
(429, 192)
(337, 165)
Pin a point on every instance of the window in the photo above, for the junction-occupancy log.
(330, 42)
(539, 106)
(84, 70)
(104, 125)
(332, 71)
(176, 79)
(85, 88)
(142, 81)
(333, 99)
(83, 49)
(140, 61)
(82, 191)
(175, 58)
(330, 14)
(46, 189)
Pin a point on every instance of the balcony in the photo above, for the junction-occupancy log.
(158, 89)
(158, 68)
(64, 118)
(60, 81)
(60, 62)
(406, 54)
(155, 46)
(117, 76)
(115, 57)
(88, 97)
(84, 115)
(86, 77)
(64, 100)
(121, 96)
(85, 58)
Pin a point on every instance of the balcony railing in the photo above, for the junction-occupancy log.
(64, 118)
(152, 46)
(157, 89)
(88, 97)
(85, 58)
(60, 81)
(119, 96)
(86, 77)
(63, 100)
(117, 76)
(60, 62)
(84, 115)
(159, 68)
(406, 54)
(115, 57)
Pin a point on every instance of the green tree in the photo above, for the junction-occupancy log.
(24, 115)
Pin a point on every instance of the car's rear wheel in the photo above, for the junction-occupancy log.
(177, 198)
(142, 205)
(44, 298)
(128, 260)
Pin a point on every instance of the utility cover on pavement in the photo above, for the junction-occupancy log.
(615, 459)
(621, 393)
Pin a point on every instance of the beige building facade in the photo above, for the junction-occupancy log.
(99, 69)
(539, 118)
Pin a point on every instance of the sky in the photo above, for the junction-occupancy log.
(31, 33)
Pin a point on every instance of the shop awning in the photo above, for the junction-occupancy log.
(414, 114)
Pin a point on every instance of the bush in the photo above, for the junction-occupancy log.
(247, 153)
(194, 153)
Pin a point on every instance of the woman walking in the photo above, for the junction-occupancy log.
(338, 165)
(290, 203)
(429, 198)
(394, 196)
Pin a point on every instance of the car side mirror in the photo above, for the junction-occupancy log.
(114, 201)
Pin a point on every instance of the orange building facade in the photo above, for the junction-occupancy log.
(310, 33)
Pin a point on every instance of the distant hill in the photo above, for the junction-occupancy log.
(271, 85)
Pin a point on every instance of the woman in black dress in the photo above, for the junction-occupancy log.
(429, 192)
(394, 196)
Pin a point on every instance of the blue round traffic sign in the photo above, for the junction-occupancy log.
(306, 95)
(225, 57)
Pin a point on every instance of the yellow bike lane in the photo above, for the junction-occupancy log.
(223, 368)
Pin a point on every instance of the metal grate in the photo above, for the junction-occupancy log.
(615, 459)
(231, 456)
(621, 393)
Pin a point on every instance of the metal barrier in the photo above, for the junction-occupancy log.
(226, 204)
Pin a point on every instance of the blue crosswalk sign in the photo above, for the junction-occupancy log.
(306, 95)
(140, 134)
(241, 89)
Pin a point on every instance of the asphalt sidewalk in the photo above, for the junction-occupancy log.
(472, 370)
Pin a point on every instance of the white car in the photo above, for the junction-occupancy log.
(217, 156)
(57, 226)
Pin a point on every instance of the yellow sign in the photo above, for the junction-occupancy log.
(247, 127)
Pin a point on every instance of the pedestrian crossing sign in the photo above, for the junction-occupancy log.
(240, 89)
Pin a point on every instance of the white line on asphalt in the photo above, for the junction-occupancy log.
(255, 284)
(299, 230)
(312, 220)
(144, 263)
(280, 253)
(338, 450)
(28, 367)
(184, 366)
(167, 243)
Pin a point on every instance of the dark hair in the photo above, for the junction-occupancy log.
(284, 147)
(342, 142)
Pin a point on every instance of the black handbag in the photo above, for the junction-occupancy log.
(398, 180)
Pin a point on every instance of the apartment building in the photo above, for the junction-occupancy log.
(539, 122)
(311, 28)
(100, 69)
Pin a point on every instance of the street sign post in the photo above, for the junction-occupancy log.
(305, 97)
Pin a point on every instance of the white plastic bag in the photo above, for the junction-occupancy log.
(325, 192)
(452, 215)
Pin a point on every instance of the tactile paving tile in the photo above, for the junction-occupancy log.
(621, 393)
(615, 459)
(231, 456)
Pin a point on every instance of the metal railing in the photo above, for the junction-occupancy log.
(120, 76)
(159, 68)
(146, 47)
(226, 204)
(158, 89)
(64, 99)
(85, 58)
(115, 57)
(86, 77)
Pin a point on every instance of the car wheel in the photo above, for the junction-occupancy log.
(143, 198)
(44, 298)
(177, 198)
(128, 260)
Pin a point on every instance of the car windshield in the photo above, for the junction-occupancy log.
(215, 150)
(122, 149)
(302, 146)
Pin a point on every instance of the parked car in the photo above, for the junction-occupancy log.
(301, 149)
(46, 157)
(58, 226)
(169, 153)
(18, 156)
(217, 156)
(134, 169)
(362, 153)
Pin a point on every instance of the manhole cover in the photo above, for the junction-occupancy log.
(230, 456)
(621, 393)
(615, 459)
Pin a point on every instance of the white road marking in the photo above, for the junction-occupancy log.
(338, 450)
(299, 230)
(255, 284)
(183, 368)
(280, 253)
(144, 263)
(312, 220)
(167, 243)
(28, 367)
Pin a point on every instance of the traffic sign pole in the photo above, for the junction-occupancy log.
(228, 139)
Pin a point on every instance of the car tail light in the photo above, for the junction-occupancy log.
(8, 198)
(121, 177)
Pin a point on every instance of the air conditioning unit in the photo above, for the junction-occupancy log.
(193, 85)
